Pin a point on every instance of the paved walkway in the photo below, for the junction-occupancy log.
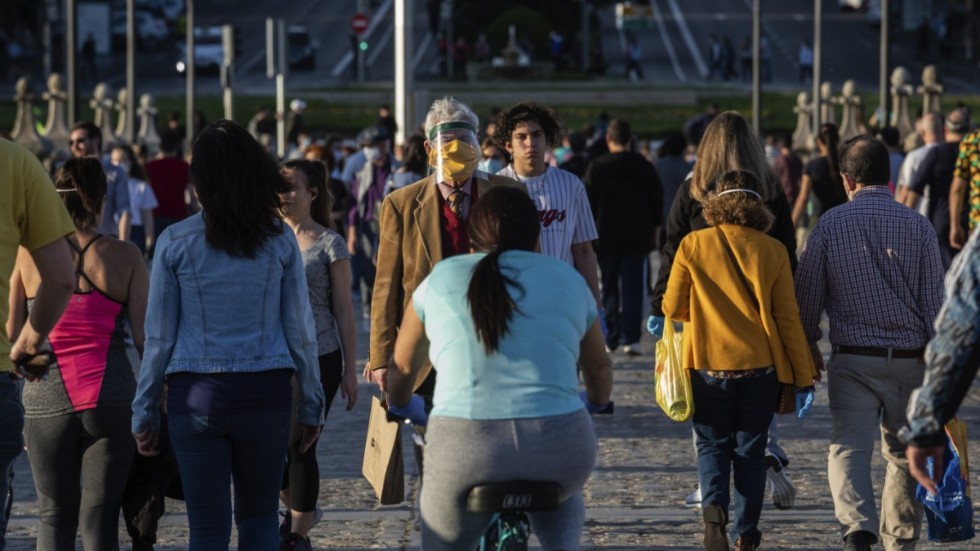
(634, 499)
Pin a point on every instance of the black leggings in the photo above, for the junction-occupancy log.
(80, 462)
(302, 475)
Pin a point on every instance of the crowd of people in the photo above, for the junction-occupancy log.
(497, 267)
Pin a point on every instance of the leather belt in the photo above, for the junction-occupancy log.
(879, 352)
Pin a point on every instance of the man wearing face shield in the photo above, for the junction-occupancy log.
(366, 193)
(421, 224)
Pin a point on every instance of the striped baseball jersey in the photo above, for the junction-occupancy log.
(563, 207)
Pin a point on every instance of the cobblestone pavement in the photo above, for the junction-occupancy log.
(634, 499)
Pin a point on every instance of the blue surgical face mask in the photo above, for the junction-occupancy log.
(490, 166)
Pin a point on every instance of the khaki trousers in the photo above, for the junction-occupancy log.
(868, 396)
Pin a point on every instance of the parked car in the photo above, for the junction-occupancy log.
(151, 31)
(301, 49)
(209, 53)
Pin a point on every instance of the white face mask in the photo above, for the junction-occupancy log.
(372, 154)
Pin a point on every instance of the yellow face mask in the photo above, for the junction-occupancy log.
(456, 160)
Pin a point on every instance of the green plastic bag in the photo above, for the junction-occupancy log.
(671, 380)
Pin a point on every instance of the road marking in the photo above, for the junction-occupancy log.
(420, 51)
(379, 47)
(688, 39)
(348, 57)
(667, 43)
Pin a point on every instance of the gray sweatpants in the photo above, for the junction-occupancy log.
(461, 453)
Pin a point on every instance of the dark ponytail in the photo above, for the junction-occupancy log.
(831, 139)
(503, 219)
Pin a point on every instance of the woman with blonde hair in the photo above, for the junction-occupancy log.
(732, 286)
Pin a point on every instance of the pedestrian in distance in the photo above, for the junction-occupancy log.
(141, 198)
(33, 217)
(306, 210)
(732, 286)
(873, 266)
(805, 60)
(229, 327)
(77, 426)
(514, 412)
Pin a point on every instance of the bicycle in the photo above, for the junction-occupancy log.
(509, 501)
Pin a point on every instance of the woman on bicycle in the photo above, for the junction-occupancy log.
(77, 420)
(306, 209)
(507, 327)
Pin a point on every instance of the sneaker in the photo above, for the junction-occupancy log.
(715, 519)
(783, 492)
(632, 349)
(295, 542)
(693, 499)
(861, 540)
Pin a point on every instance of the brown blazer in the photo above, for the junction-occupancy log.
(410, 244)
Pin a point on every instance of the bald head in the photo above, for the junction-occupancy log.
(957, 124)
(932, 128)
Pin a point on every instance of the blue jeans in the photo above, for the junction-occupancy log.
(11, 441)
(247, 449)
(623, 279)
(731, 419)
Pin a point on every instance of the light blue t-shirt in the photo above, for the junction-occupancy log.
(532, 374)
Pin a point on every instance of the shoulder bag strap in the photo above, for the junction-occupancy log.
(738, 269)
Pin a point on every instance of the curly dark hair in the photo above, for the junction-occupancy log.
(506, 121)
(744, 209)
(238, 184)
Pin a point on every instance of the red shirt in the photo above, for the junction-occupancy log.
(168, 176)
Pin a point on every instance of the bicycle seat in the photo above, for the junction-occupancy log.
(514, 496)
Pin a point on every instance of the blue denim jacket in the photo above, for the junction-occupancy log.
(210, 312)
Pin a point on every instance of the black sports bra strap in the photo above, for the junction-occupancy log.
(80, 265)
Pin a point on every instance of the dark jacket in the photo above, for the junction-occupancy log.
(685, 217)
(626, 198)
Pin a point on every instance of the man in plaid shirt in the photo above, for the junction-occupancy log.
(873, 266)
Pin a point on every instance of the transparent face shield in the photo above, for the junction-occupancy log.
(454, 151)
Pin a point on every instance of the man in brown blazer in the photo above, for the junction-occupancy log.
(423, 223)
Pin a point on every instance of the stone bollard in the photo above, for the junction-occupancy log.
(148, 137)
(122, 122)
(56, 129)
(25, 125)
(101, 103)
(851, 111)
(901, 90)
(827, 104)
(931, 90)
(803, 135)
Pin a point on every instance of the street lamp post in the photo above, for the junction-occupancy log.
(130, 71)
(71, 75)
(189, 113)
(757, 66)
(817, 47)
(884, 60)
(404, 23)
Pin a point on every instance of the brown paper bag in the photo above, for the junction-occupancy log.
(384, 465)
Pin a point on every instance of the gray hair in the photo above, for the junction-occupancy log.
(449, 109)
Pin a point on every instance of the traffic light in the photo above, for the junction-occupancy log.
(362, 45)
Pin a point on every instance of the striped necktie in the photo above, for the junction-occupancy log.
(455, 200)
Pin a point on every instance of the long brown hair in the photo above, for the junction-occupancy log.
(730, 144)
(315, 173)
(81, 182)
(504, 219)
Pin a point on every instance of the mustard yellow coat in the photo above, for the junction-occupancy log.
(723, 329)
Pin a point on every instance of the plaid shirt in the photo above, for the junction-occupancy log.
(873, 265)
(952, 356)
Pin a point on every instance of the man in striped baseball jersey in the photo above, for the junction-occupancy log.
(526, 131)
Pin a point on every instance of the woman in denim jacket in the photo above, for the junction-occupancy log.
(228, 326)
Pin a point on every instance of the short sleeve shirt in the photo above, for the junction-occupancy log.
(141, 198)
(31, 215)
(328, 248)
(117, 198)
(563, 207)
(968, 169)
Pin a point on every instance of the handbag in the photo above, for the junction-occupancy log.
(949, 512)
(384, 463)
(786, 401)
(672, 383)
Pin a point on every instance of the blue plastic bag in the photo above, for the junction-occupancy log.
(949, 512)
